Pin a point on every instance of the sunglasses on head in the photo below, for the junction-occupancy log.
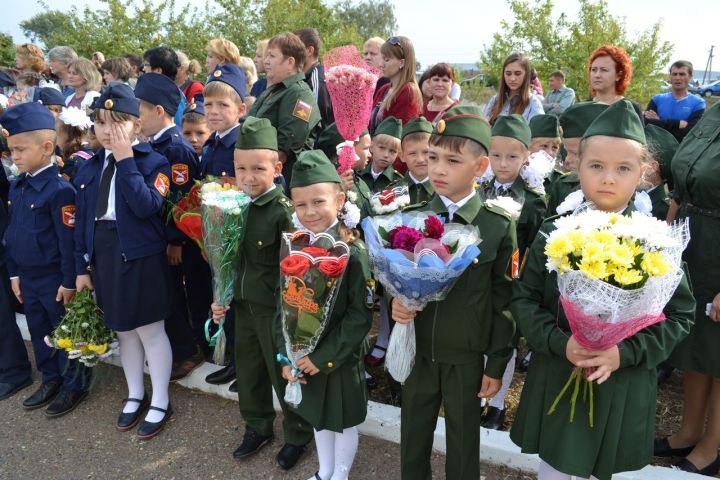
(396, 42)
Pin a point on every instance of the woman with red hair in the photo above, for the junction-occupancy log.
(609, 75)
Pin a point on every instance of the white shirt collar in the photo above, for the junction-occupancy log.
(225, 132)
(253, 200)
(506, 186)
(375, 175)
(412, 177)
(453, 207)
(160, 133)
(41, 170)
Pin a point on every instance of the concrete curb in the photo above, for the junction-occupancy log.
(383, 422)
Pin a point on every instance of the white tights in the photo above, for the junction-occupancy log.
(151, 341)
(336, 452)
(546, 472)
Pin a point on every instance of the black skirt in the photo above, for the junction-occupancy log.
(133, 293)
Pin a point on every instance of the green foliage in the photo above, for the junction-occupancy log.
(565, 42)
(370, 18)
(7, 50)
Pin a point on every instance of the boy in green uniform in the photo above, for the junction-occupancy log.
(288, 102)
(663, 146)
(545, 135)
(454, 334)
(256, 166)
(414, 146)
(384, 148)
(574, 121)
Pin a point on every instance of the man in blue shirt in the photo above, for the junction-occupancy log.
(560, 97)
(677, 111)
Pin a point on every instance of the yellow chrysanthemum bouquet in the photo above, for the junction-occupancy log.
(615, 273)
(82, 333)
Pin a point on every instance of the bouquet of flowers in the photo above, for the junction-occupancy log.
(223, 210)
(390, 200)
(82, 333)
(615, 275)
(311, 271)
(417, 258)
(351, 85)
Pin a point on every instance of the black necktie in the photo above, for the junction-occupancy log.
(104, 191)
(217, 141)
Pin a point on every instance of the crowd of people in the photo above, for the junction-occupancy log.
(94, 150)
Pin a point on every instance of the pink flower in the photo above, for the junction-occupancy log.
(434, 228)
(404, 238)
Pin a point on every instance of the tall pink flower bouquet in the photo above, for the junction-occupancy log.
(351, 85)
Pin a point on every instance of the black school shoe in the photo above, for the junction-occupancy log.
(662, 448)
(711, 470)
(224, 375)
(233, 387)
(45, 394)
(126, 421)
(251, 444)
(7, 390)
(64, 403)
(288, 455)
(493, 418)
(148, 430)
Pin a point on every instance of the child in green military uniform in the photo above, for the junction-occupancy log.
(663, 146)
(453, 334)
(545, 135)
(574, 121)
(508, 154)
(334, 396)
(256, 166)
(355, 188)
(414, 146)
(611, 164)
(384, 148)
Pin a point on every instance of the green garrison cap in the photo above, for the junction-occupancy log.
(257, 133)
(417, 125)
(578, 117)
(663, 145)
(544, 126)
(313, 167)
(513, 126)
(465, 122)
(619, 120)
(390, 126)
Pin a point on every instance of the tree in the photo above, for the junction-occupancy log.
(7, 50)
(559, 43)
(371, 18)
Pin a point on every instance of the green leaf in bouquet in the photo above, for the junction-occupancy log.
(308, 325)
(384, 234)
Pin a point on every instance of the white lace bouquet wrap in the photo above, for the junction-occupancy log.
(417, 259)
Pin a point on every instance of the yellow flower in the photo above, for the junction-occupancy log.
(99, 349)
(85, 350)
(634, 247)
(577, 239)
(594, 269)
(593, 252)
(621, 255)
(625, 277)
(558, 248)
(64, 343)
(603, 237)
(655, 264)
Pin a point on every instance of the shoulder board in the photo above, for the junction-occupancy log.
(415, 206)
(284, 201)
(550, 220)
(569, 177)
(534, 191)
(395, 183)
(498, 210)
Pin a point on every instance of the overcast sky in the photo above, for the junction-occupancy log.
(458, 33)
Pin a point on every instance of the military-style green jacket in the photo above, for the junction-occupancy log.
(552, 177)
(388, 176)
(360, 195)
(336, 398)
(419, 192)
(531, 214)
(660, 202)
(473, 319)
(259, 270)
(624, 406)
(559, 189)
(292, 110)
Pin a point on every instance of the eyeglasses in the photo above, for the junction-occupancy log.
(396, 42)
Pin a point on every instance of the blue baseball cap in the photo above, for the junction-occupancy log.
(26, 117)
(49, 96)
(117, 97)
(232, 75)
(158, 89)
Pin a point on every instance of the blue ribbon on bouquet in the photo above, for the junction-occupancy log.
(212, 339)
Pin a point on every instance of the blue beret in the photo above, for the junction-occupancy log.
(197, 106)
(158, 89)
(117, 97)
(50, 96)
(27, 117)
(232, 75)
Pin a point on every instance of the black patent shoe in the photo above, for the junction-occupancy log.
(45, 394)
(288, 455)
(148, 430)
(251, 444)
(126, 421)
(493, 418)
(662, 448)
(710, 471)
(7, 390)
(233, 387)
(224, 375)
(64, 403)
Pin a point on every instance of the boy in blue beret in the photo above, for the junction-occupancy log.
(194, 126)
(39, 241)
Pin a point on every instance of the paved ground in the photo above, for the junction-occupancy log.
(197, 444)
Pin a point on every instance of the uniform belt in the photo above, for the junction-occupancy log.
(706, 212)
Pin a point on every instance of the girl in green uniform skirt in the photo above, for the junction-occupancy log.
(334, 393)
(613, 157)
